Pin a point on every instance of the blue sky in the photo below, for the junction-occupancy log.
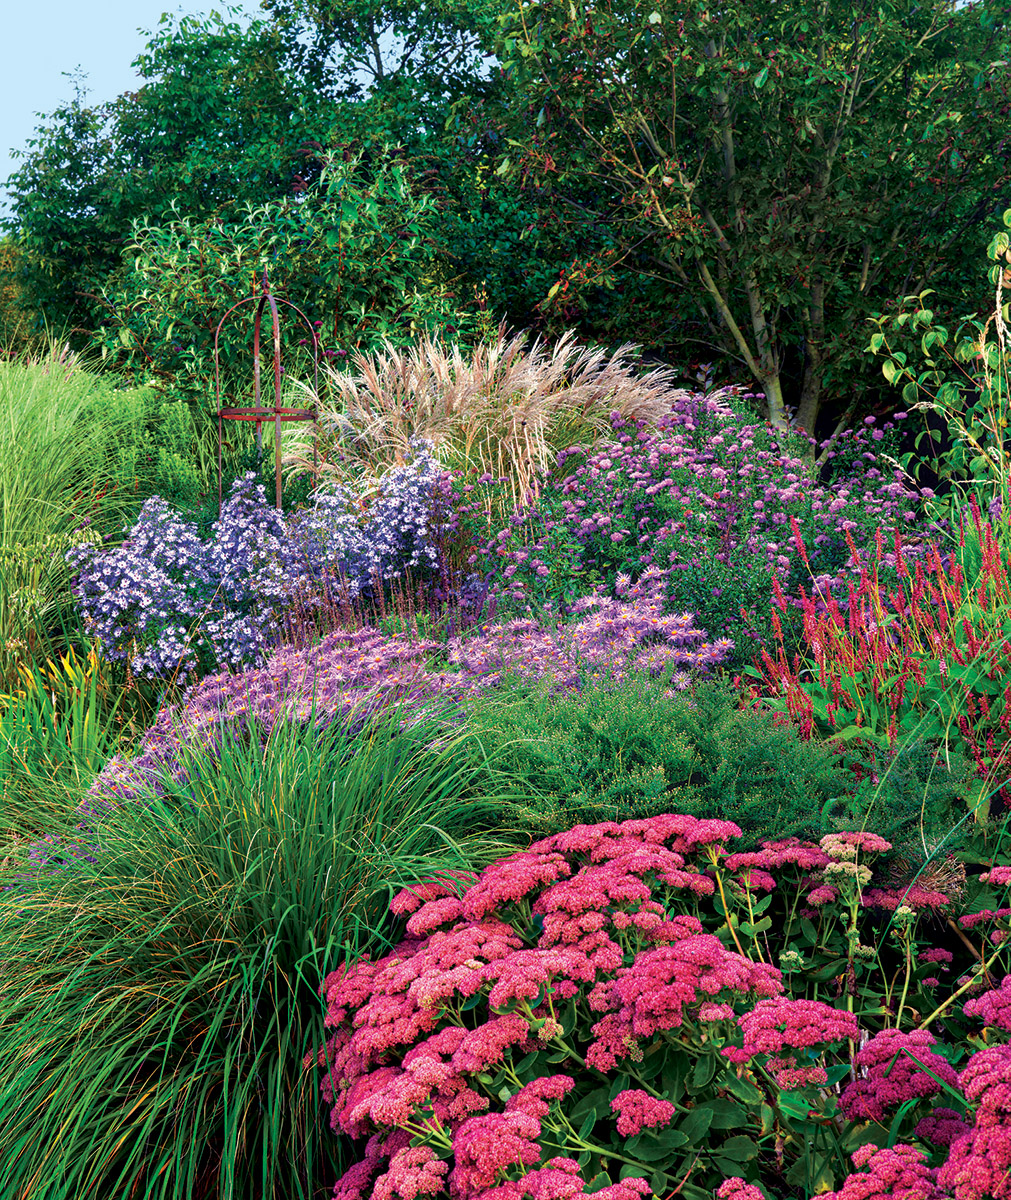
(49, 39)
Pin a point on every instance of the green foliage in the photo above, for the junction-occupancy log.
(56, 734)
(14, 321)
(353, 253)
(964, 378)
(767, 167)
(156, 451)
(914, 795)
(153, 1045)
(64, 432)
(615, 751)
(413, 57)
(215, 125)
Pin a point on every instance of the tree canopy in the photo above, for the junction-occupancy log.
(743, 185)
(784, 168)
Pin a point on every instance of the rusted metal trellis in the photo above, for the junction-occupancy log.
(278, 414)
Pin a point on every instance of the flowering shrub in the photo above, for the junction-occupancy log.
(602, 1012)
(929, 657)
(172, 603)
(706, 494)
(349, 674)
(168, 602)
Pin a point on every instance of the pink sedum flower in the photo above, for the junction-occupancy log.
(994, 1007)
(899, 1173)
(414, 1171)
(638, 1110)
(484, 1147)
(896, 1067)
(736, 1189)
(942, 1126)
(779, 1024)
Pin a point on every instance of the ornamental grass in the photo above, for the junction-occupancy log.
(504, 409)
(161, 962)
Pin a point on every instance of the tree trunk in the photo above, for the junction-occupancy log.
(810, 391)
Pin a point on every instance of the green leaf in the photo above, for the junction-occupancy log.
(696, 1124)
(705, 1069)
(761, 77)
(743, 1089)
(738, 1148)
(726, 1114)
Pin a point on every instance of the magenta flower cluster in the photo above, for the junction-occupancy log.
(977, 1140)
(572, 940)
(516, 1039)
(778, 1026)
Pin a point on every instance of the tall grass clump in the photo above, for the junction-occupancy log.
(160, 986)
(503, 410)
(56, 733)
(56, 486)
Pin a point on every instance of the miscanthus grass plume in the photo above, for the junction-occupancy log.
(504, 408)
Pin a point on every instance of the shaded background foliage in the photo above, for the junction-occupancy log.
(450, 167)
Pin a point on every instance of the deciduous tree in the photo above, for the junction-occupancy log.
(784, 167)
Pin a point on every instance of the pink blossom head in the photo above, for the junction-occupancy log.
(994, 1007)
(413, 1171)
(978, 1166)
(485, 1147)
(781, 1024)
(895, 1067)
(736, 1189)
(898, 1173)
(638, 1110)
(941, 1126)
(410, 899)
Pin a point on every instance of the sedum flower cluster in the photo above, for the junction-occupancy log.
(571, 1021)
(173, 604)
(515, 1033)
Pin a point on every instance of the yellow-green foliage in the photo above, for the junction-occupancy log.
(77, 457)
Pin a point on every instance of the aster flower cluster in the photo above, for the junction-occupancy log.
(706, 494)
(566, 953)
(375, 532)
(174, 605)
(352, 674)
(167, 601)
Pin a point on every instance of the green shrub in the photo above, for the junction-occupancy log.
(612, 752)
(157, 1002)
(914, 795)
(155, 452)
